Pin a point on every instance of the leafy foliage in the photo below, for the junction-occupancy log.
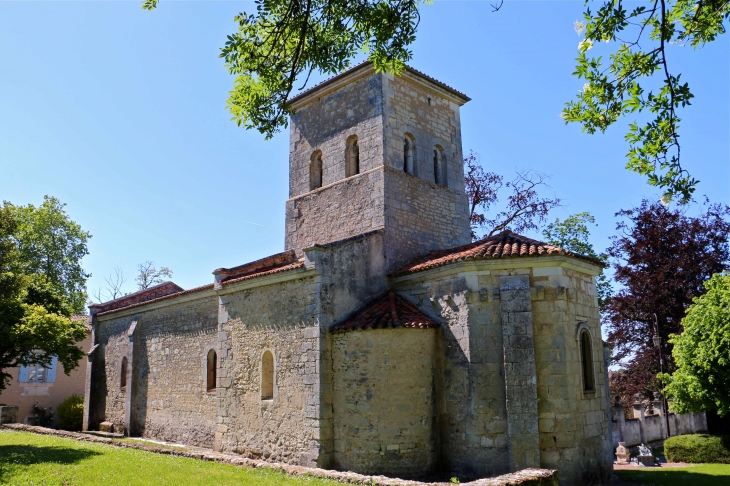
(698, 449)
(71, 413)
(702, 353)
(286, 40)
(525, 210)
(51, 246)
(572, 234)
(44, 417)
(34, 310)
(615, 90)
(661, 257)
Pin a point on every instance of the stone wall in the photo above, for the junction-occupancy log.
(431, 119)
(479, 387)
(273, 318)
(167, 371)
(574, 433)
(421, 216)
(384, 401)
(341, 210)
(109, 398)
(325, 125)
(471, 397)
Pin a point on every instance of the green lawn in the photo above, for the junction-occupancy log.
(31, 459)
(698, 475)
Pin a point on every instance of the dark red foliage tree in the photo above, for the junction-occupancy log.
(662, 257)
(525, 208)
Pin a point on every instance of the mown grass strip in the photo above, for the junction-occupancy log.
(31, 459)
(697, 475)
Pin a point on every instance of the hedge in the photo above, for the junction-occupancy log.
(71, 413)
(698, 448)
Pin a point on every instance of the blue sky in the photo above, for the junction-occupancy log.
(120, 113)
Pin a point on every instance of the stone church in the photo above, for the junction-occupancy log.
(382, 340)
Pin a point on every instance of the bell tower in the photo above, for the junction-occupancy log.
(374, 151)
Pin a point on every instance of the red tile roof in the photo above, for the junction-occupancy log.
(257, 267)
(387, 311)
(502, 245)
(152, 293)
(149, 301)
(267, 271)
(280, 262)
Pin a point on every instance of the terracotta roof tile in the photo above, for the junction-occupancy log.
(168, 296)
(387, 311)
(502, 245)
(267, 271)
(146, 295)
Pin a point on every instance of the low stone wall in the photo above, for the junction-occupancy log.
(647, 429)
(526, 477)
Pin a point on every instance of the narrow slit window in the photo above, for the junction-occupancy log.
(352, 157)
(212, 368)
(123, 376)
(267, 376)
(439, 166)
(315, 171)
(408, 155)
(587, 361)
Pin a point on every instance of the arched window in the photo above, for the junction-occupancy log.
(352, 157)
(212, 368)
(123, 376)
(586, 358)
(409, 154)
(267, 376)
(439, 166)
(315, 171)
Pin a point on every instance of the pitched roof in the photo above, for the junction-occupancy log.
(279, 262)
(387, 311)
(503, 245)
(367, 64)
(161, 290)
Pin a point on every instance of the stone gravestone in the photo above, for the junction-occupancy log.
(622, 454)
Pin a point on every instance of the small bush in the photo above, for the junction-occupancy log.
(698, 448)
(71, 413)
(43, 417)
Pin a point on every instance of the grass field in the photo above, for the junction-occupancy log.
(31, 459)
(697, 475)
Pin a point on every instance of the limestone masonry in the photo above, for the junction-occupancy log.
(382, 340)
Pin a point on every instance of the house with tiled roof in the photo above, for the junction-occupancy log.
(382, 340)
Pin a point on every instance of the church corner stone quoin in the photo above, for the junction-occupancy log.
(381, 341)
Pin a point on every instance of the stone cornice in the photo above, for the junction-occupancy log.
(500, 264)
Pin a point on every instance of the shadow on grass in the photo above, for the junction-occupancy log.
(12, 456)
(671, 478)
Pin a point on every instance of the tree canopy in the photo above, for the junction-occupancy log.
(573, 234)
(661, 258)
(51, 247)
(279, 46)
(702, 352)
(35, 309)
(525, 209)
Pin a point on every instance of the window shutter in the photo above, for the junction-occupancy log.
(23, 374)
(51, 377)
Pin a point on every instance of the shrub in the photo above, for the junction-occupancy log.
(43, 416)
(71, 413)
(698, 448)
